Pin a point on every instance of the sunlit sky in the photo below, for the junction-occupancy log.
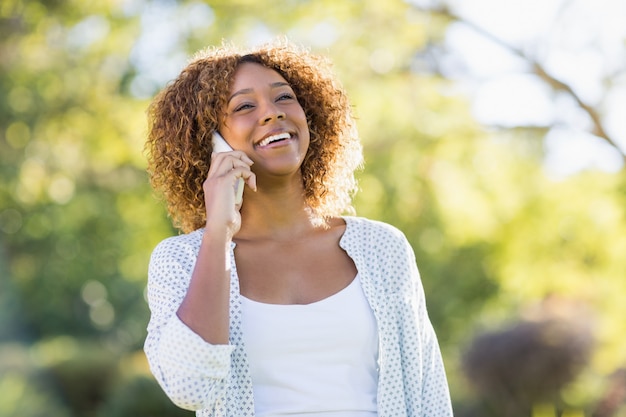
(579, 42)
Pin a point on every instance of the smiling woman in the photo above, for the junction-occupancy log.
(183, 116)
(279, 304)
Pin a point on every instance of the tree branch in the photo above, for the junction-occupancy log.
(556, 84)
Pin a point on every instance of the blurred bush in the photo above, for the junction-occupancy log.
(139, 396)
(70, 378)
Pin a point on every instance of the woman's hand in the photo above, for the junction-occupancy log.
(219, 189)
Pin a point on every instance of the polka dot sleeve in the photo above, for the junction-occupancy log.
(192, 372)
(412, 379)
(435, 394)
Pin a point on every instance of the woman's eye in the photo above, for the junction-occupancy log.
(243, 106)
(285, 96)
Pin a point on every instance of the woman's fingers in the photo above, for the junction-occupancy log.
(234, 165)
(247, 175)
(235, 157)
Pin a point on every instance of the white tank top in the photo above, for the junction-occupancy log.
(313, 360)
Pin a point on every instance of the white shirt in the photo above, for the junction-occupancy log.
(313, 360)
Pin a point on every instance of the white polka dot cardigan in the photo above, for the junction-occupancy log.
(215, 379)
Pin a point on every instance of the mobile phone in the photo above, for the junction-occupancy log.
(220, 145)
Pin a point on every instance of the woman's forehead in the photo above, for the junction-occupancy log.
(251, 76)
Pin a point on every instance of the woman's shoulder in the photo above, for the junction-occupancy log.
(183, 243)
(383, 251)
(365, 226)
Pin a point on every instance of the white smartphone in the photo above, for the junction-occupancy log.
(220, 145)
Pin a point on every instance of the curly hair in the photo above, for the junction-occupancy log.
(182, 117)
(185, 113)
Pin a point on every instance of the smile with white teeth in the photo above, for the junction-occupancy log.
(273, 138)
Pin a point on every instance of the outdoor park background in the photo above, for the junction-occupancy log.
(495, 138)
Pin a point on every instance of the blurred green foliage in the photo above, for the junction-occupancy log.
(493, 235)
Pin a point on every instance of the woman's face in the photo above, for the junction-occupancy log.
(264, 119)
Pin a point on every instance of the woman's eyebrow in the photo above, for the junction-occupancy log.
(277, 84)
(240, 92)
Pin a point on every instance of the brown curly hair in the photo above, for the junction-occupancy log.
(184, 114)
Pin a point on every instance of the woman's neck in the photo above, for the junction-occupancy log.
(277, 214)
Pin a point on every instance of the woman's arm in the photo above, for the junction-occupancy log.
(189, 295)
(191, 371)
(205, 305)
(435, 393)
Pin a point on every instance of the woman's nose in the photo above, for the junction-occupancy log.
(272, 112)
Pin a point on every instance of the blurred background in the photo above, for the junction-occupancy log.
(494, 135)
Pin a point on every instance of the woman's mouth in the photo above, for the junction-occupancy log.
(273, 139)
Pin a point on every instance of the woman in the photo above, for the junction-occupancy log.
(278, 305)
